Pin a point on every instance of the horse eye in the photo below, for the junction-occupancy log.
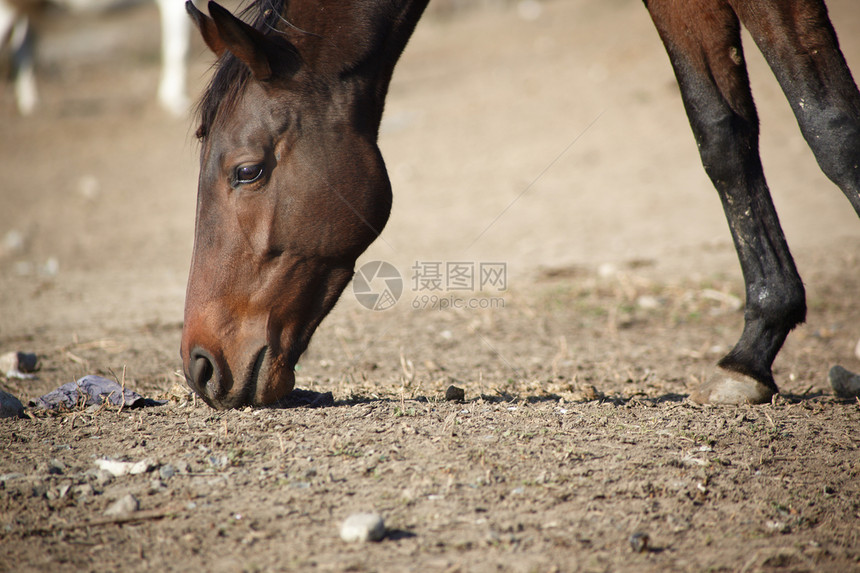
(248, 173)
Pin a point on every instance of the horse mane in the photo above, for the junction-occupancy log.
(231, 76)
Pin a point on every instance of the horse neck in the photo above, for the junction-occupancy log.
(357, 42)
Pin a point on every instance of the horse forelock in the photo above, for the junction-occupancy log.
(224, 90)
(231, 76)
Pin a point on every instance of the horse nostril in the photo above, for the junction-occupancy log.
(204, 374)
(202, 370)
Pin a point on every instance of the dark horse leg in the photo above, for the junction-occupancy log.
(800, 45)
(702, 38)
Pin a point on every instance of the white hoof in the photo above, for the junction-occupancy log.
(732, 388)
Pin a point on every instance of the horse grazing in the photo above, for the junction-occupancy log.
(293, 188)
(16, 30)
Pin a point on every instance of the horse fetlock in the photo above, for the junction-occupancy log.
(779, 305)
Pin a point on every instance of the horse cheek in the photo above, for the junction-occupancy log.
(255, 217)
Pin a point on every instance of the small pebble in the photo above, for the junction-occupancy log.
(13, 243)
(639, 542)
(455, 394)
(218, 462)
(88, 186)
(778, 526)
(607, 270)
(101, 477)
(845, 383)
(363, 527)
(123, 506)
(38, 488)
(10, 406)
(648, 302)
(51, 267)
(83, 491)
(157, 486)
(52, 467)
(166, 471)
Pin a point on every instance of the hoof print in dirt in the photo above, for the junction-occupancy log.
(363, 527)
(455, 394)
(732, 389)
(845, 383)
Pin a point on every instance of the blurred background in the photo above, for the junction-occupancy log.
(541, 134)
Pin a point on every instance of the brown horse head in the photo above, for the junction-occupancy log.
(292, 185)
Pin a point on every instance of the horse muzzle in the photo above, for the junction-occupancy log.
(257, 382)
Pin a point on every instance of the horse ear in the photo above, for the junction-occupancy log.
(242, 40)
(207, 28)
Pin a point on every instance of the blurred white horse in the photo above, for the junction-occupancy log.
(15, 29)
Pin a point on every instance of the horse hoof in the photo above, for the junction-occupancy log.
(732, 388)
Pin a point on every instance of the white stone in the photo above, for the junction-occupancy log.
(13, 243)
(648, 302)
(123, 506)
(114, 468)
(607, 270)
(8, 362)
(89, 187)
(363, 527)
(142, 467)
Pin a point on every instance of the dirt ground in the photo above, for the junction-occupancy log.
(548, 138)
